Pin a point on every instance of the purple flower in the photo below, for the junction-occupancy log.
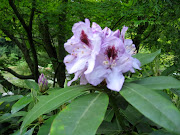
(83, 47)
(96, 55)
(113, 60)
(43, 83)
(110, 64)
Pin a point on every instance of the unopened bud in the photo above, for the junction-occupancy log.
(43, 83)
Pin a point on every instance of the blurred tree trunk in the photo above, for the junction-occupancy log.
(51, 51)
(60, 74)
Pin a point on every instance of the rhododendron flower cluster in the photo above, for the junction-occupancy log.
(97, 55)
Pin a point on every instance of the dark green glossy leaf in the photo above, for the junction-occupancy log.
(82, 117)
(52, 101)
(154, 106)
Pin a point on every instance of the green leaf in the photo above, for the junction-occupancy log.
(132, 115)
(45, 128)
(7, 116)
(32, 85)
(82, 117)
(29, 132)
(21, 103)
(146, 58)
(108, 128)
(152, 105)
(109, 115)
(10, 98)
(159, 82)
(52, 101)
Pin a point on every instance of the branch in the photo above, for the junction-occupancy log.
(117, 23)
(13, 6)
(32, 15)
(149, 33)
(16, 74)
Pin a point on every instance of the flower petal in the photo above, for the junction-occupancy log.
(76, 65)
(83, 80)
(97, 76)
(107, 32)
(91, 63)
(87, 22)
(116, 33)
(115, 80)
(136, 64)
(76, 76)
(123, 31)
(96, 27)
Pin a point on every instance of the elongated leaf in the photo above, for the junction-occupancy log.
(159, 82)
(7, 116)
(153, 106)
(82, 117)
(32, 85)
(52, 101)
(146, 58)
(29, 132)
(21, 103)
(10, 98)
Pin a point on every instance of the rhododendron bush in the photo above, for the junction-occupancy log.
(104, 93)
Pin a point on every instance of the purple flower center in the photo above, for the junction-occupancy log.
(111, 52)
(84, 38)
